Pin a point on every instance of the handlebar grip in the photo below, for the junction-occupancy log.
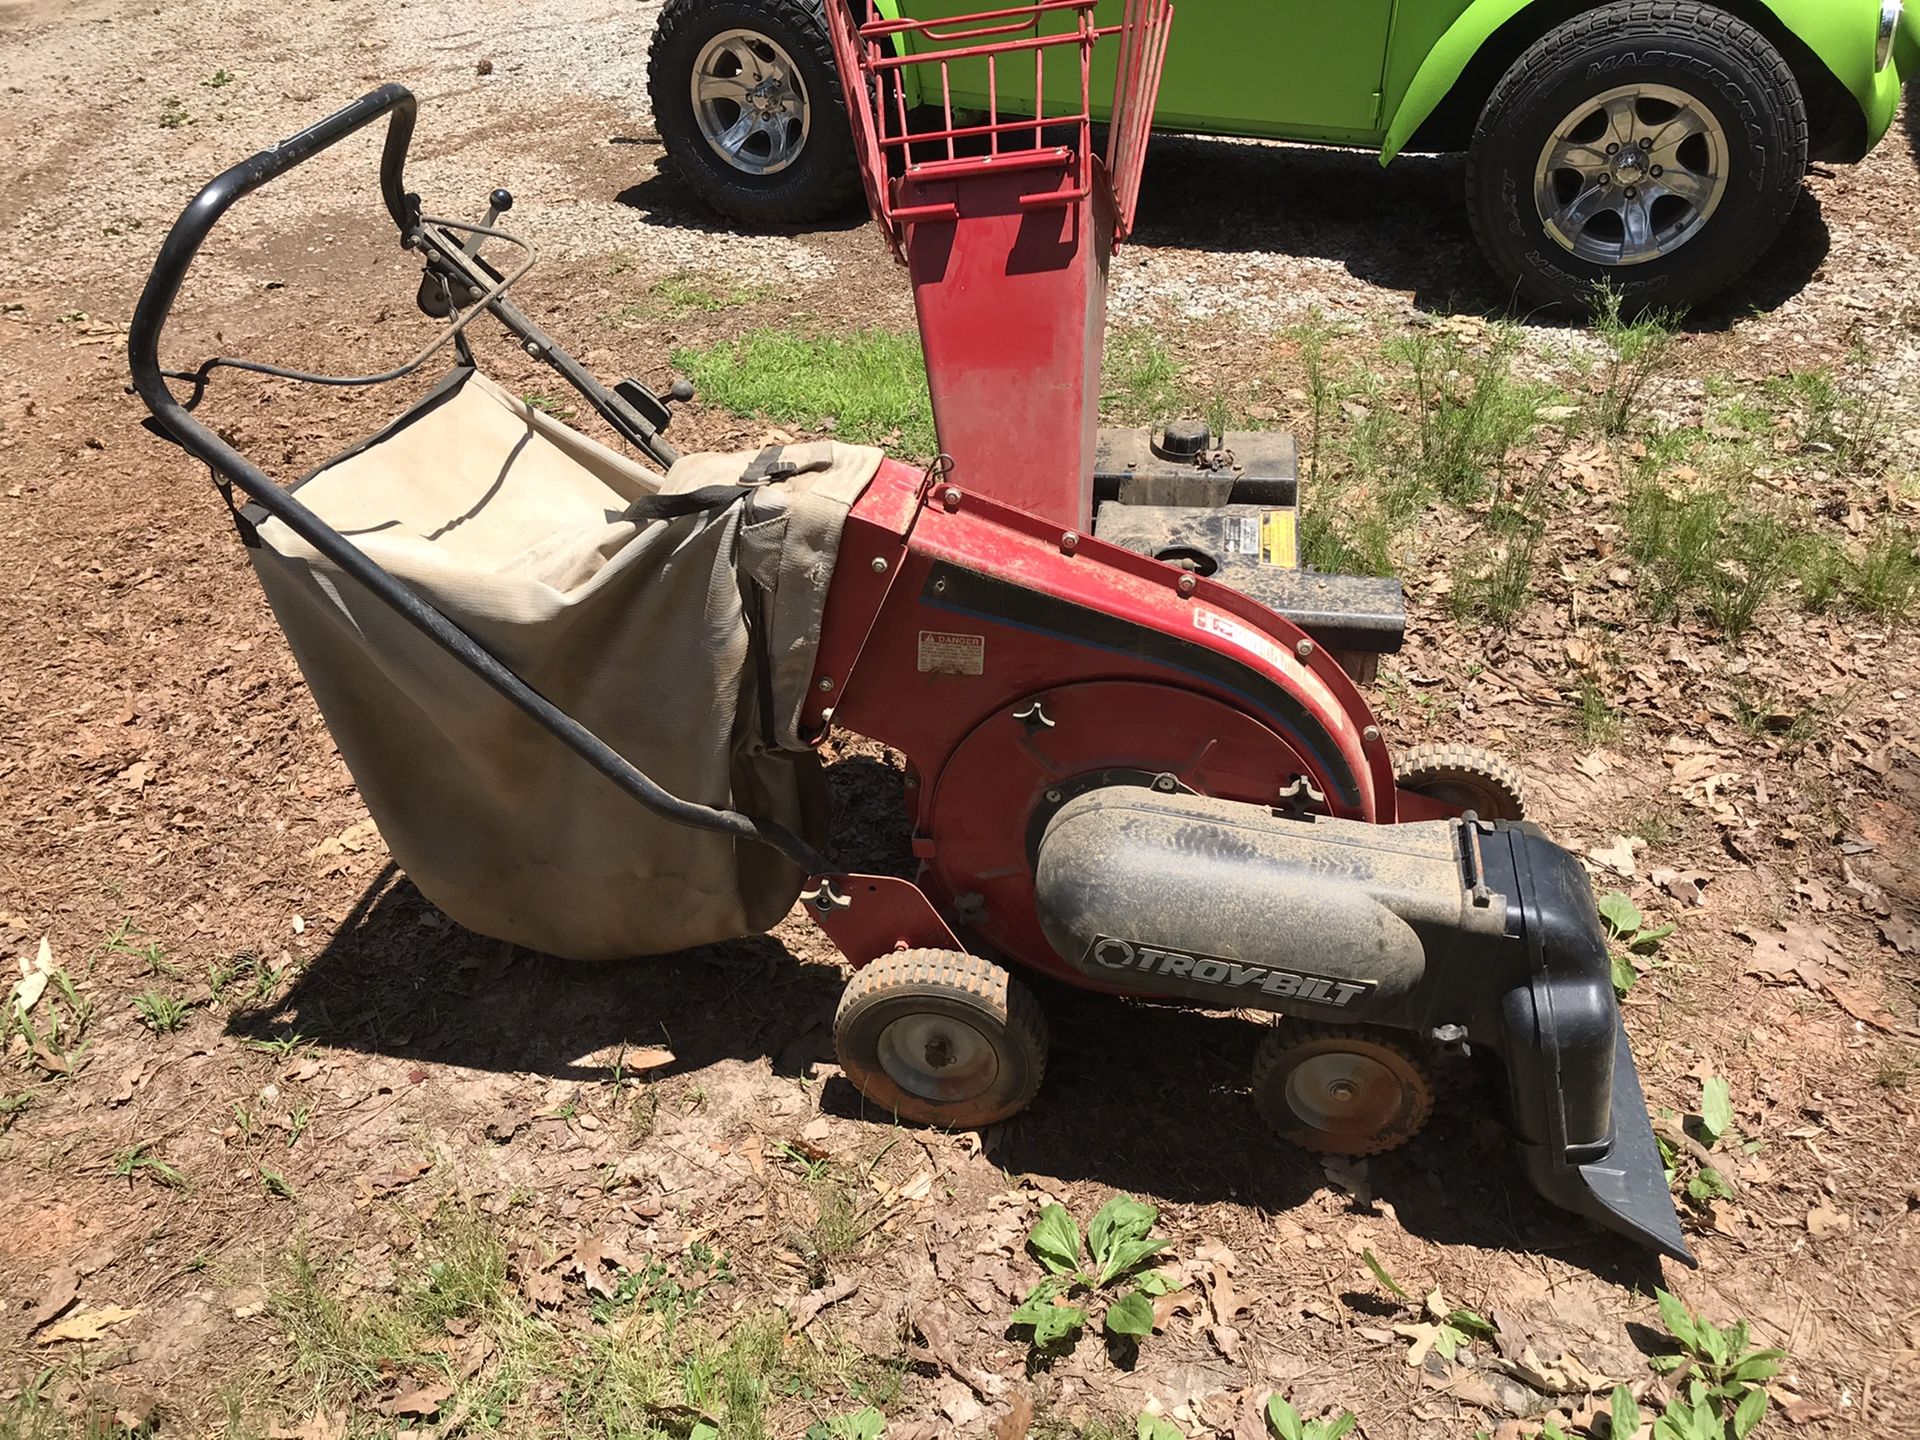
(203, 212)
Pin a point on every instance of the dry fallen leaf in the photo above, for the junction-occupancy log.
(593, 1252)
(86, 1325)
(647, 1057)
(63, 1287)
(1616, 855)
(1823, 1219)
(1018, 1420)
(327, 1425)
(424, 1402)
(813, 1302)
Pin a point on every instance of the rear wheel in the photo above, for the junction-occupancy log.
(1465, 777)
(1653, 149)
(1340, 1089)
(747, 102)
(941, 1037)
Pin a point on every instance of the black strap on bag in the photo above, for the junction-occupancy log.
(707, 498)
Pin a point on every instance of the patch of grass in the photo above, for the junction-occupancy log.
(220, 79)
(1494, 583)
(1761, 710)
(279, 1046)
(1140, 381)
(12, 1107)
(1885, 579)
(1469, 410)
(1709, 549)
(125, 940)
(1836, 414)
(1639, 350)
(1594, 713)
(343, 1353)
(35, 1412)
(159, 1012)
(691, 290)
(138, 1162)
(173, 113)
(547, 405)
(56, 1028)
(866, 386)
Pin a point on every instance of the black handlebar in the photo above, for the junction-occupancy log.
(183, 243)
(203, 212)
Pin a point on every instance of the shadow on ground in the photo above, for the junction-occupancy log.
(1141, 1097)
(665, 199)
(1400, 227)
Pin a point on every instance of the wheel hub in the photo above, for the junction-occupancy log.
(938, 1057)
(1632, 174)
(1345, 1093)
(749, 102)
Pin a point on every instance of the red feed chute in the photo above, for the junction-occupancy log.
(1006, 223)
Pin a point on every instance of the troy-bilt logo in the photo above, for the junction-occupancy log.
(1116, 954)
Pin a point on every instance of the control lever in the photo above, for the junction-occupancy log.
(651, 407)
(433, 299)
(498, 203)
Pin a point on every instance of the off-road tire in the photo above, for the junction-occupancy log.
(962, 987)
(1291, 1042)
(1464, 776)
(823, 180)
(1722, 62)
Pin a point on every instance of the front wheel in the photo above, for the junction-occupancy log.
(1655, 151)
(941, 1038)
(747, 103)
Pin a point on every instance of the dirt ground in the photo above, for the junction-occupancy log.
(352, 1070)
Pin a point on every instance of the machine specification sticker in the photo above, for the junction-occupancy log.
(1228, 629)
(1243, 535)
(945, 653)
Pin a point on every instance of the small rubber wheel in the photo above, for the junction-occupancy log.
(1654, 147)
(942, 1038)
(747, 102)
(1465, 777)
(1340, 1089)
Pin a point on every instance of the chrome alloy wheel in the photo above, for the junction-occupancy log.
(750, 102)
(1632, 174)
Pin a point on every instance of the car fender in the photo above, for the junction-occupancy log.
(1840, 35)
(907, 75)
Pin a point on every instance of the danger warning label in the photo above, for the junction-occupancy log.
(943, 652)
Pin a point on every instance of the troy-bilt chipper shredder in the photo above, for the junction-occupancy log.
(1135, 756)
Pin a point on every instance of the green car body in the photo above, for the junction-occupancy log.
(1372, 73)
(1649, 149)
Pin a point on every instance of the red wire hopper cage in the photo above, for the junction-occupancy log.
(1006, 217)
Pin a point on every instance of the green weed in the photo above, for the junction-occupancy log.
(1628, 936)
(1468, 410)
(865, 386)
(1724, 1381)
(1119, 1242)
(220, 79)
(173, 113)
(160, 1013)
(1284, 1423)
(1639, 351)
(137, 1162)
(1140, 381)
